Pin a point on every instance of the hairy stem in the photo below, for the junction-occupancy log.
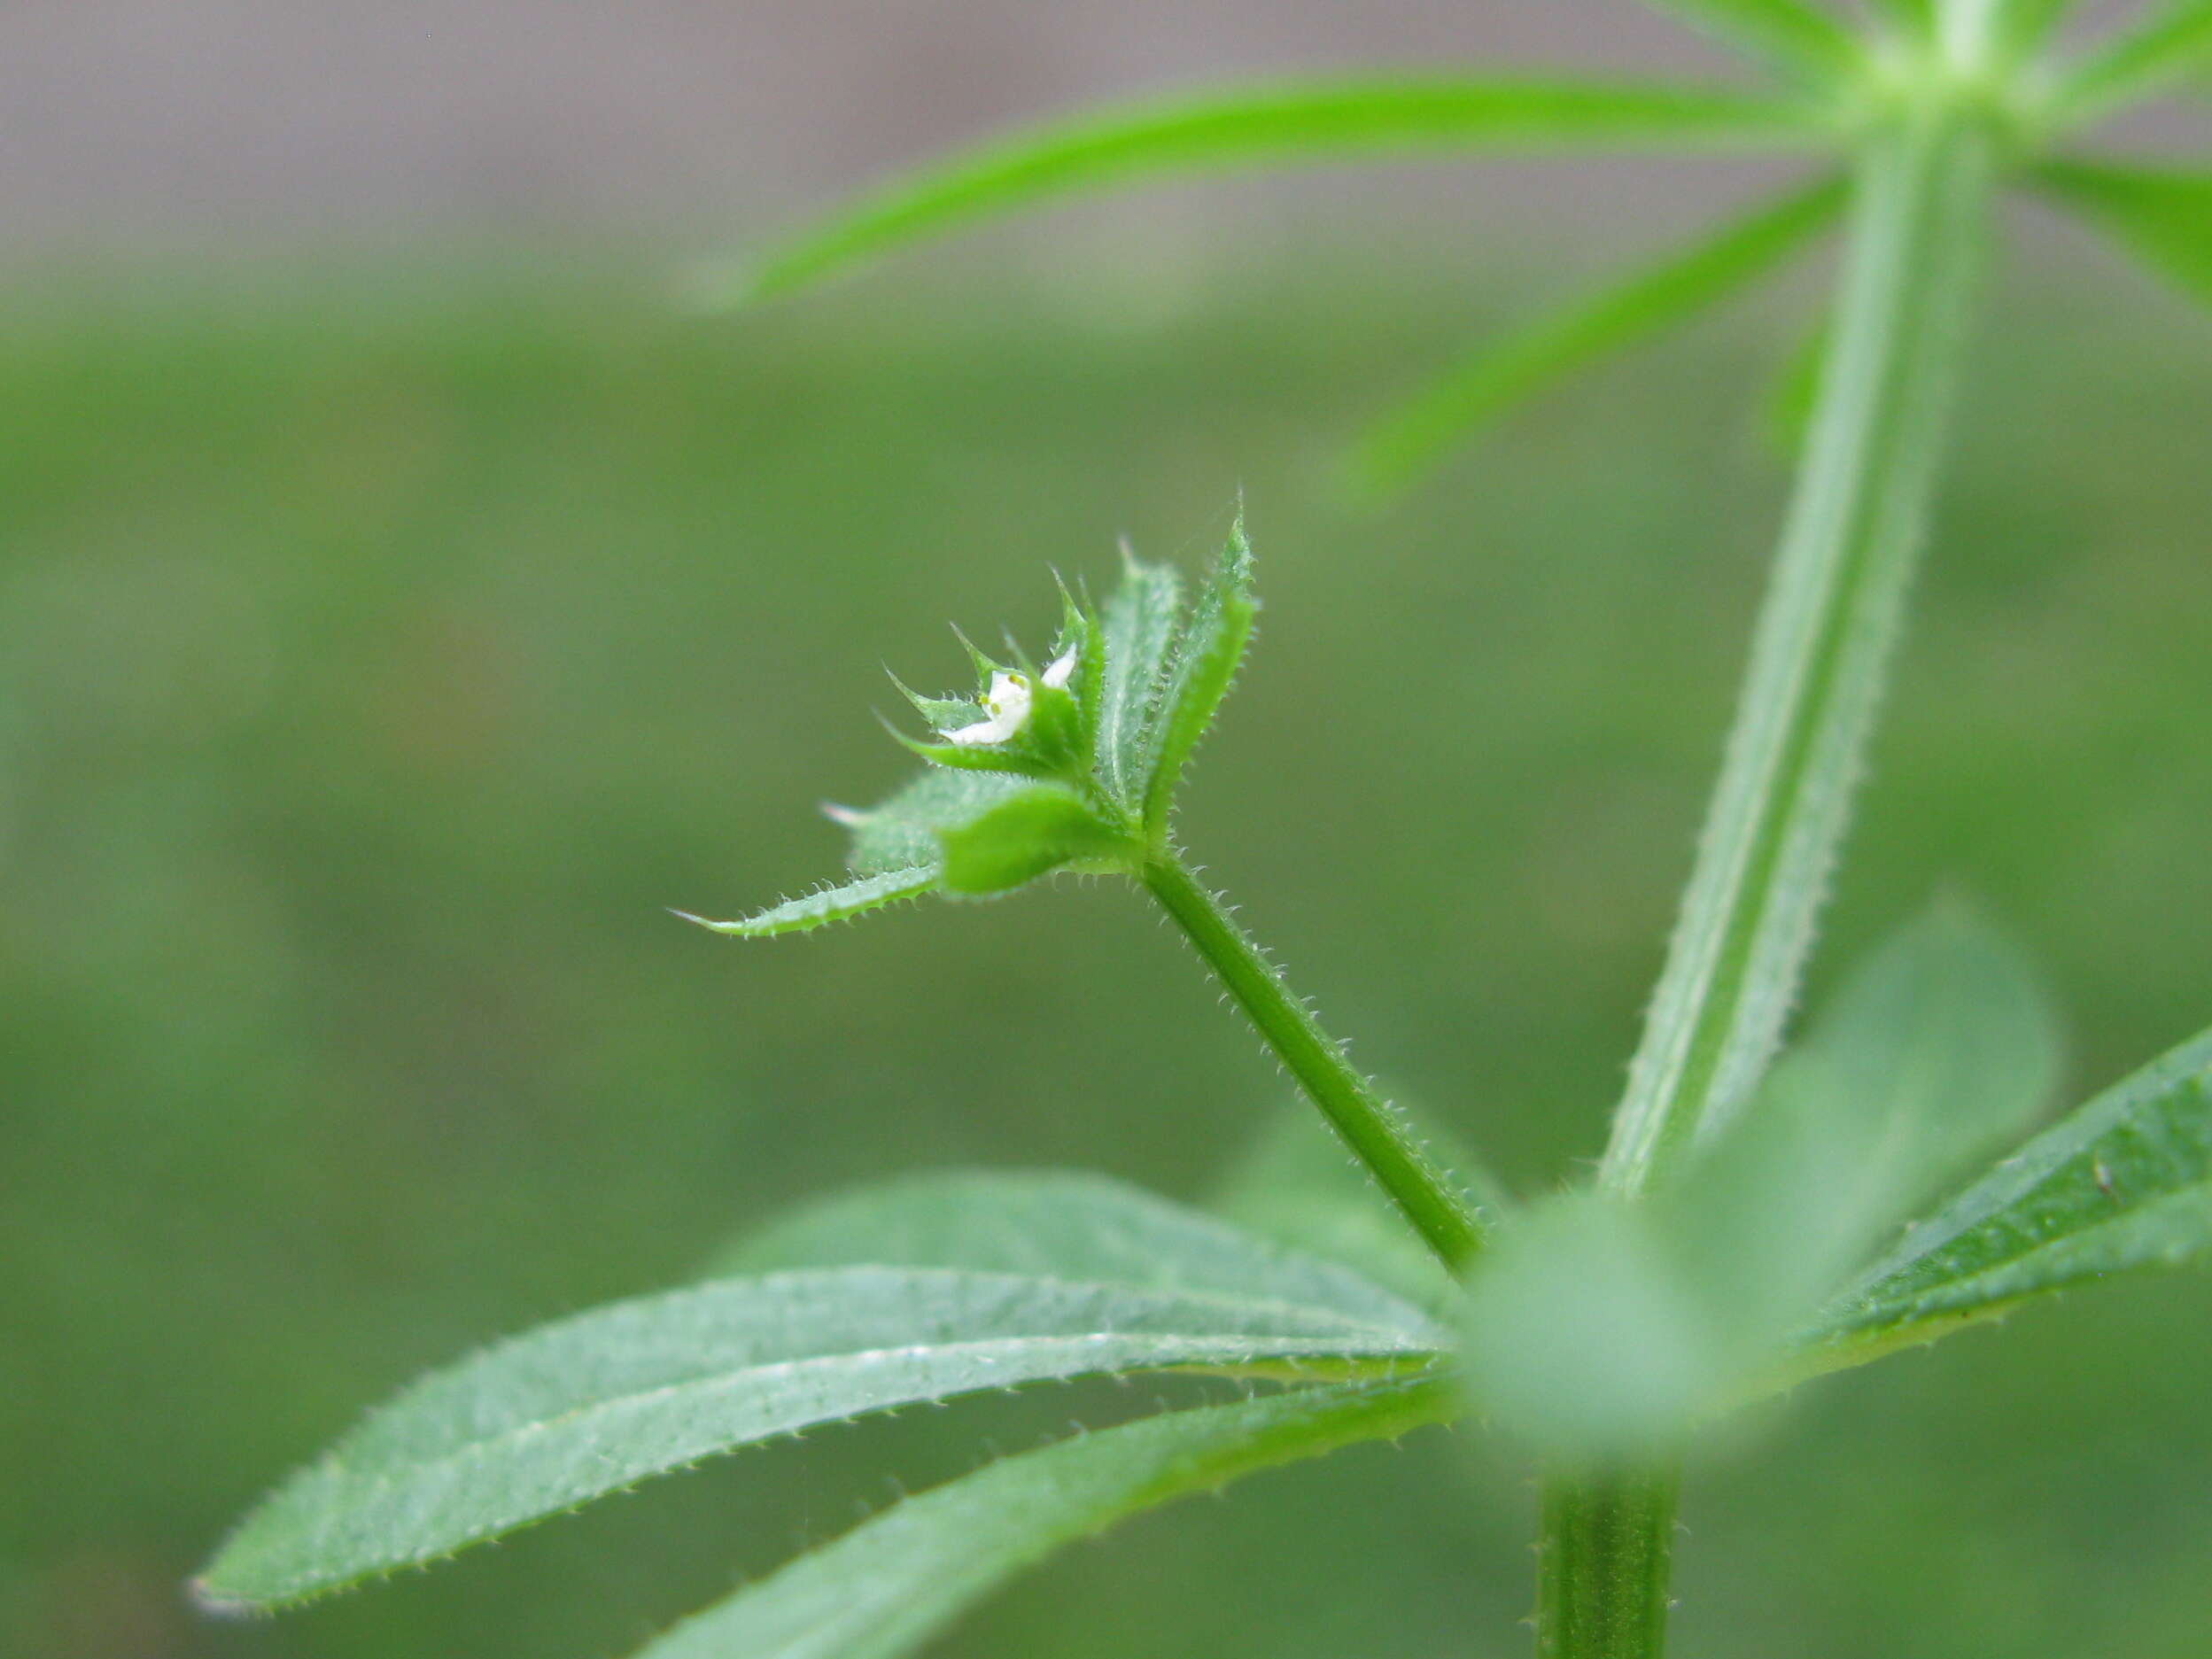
(1375, 1132)
(1602, 1563)
(1825, 638)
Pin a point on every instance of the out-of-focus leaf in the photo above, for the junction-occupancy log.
(1045, 827)
(1408, 440)
(1796, 393)
(1299, 1184)
(1065, 1225)
(828, 904)
(1584, 1336)
(586, 1407)
(892, 1583)
(1791, 34)
(1208, 653)
(2124, 1182)
(2163, 215)
(1608, 1327)
(2160, 51)
(1291, 122)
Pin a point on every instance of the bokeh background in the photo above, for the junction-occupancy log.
(401, 601)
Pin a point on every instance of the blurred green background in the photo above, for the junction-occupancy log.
(382, 648)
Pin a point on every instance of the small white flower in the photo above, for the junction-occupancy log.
(1061, 670)
(1008, 703)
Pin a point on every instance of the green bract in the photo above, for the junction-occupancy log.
(1071, 766)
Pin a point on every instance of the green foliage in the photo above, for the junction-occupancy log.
(1410, 439)
(1209, 651)
(1737, 1193)
(2163, 215)
(828, 904)
(2123, 1182)
(1296, 121)
(1604, 1329)
(1066, 1225)
(589, 1405)
(2167, 48)
(892, 1583)
(1073, 767)
(1792, 34)
(1820, 659)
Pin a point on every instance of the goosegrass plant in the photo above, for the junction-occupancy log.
(1752, 1222)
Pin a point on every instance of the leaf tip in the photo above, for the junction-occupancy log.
(716, 287)
(204, 1594)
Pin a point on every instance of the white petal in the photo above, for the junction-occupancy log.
(1008, 703)
(1061, 671)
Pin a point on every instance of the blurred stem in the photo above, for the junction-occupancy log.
(1832, 614)
(1607, 1544)
(1376, 1133)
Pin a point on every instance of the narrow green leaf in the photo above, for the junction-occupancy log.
(1298, 121)
(885, 1588)
(1066, 1225)
(1796, 393)
(826, 905)
(1832, 614)
(1047, 827)
(2125, 1182)
(2162, 52)
(1139, 631)
(905, 832)
(1408, 440)
(588, 1406)
(1790, 35)
(2163, 215)
(1206, 655)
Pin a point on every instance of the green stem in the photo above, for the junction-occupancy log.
(1603, 1563)
(1368, 1124)
(1825, 639)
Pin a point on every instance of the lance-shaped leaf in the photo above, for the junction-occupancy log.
(1207, 651)
(1464, 398)
(1140, 629)
(828, 904)
(1606, 1328)
(2125, 1182)
(1068, 1225)
(2163, 215)
(588, 1406)
(2165, 49)
(1289, 123)
(892, 1583)
(1791, 34)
